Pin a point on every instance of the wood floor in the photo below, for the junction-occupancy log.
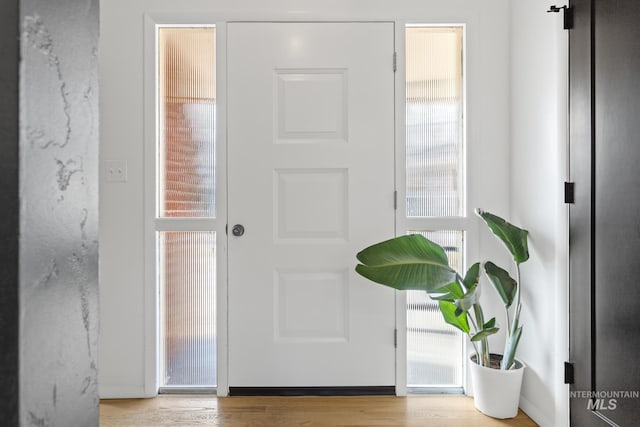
(457, 411)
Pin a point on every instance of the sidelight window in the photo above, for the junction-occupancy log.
(435, 191)
(186, 206)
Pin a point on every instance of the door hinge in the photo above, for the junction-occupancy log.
(568, 373)
(395, 61)
(567, 15)
(395, 338)
(395, 200)
(226, 229)
(569, 192)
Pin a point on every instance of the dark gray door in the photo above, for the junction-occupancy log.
(605, 219)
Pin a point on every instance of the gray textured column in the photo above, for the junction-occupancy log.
(59, 209)
(9, 219)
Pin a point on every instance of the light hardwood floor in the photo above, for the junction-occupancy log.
(299, 411)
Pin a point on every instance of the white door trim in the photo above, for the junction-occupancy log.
(152, 363)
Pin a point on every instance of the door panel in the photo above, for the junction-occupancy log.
(610, 350)
(311, 178)
(617, 205)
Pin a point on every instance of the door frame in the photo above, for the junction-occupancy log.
(466, 17)
(581, 233)
(152, 22)
(152, 292)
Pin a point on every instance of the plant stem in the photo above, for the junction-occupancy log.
(509, 321)
(518, 282)
(485, 353)
(477, 310)
(475, 326)
(512, 325)
(475, 347)
(460, 281)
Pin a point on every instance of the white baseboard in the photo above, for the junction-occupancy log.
(107, 391)
(540, 417)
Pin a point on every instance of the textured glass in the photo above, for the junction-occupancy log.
(434, 122)
(187, 105)
(188, 287)
(434, 349)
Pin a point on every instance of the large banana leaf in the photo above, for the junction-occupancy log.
(504, 284)
(514, 238)
(409, 262)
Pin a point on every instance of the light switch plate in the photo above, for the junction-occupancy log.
(116, 170)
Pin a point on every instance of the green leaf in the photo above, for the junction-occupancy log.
(468, 300)
(504, 284)
(490, 324)
(514, 238)
(455, 293)
(451, 292)
(409, 262)
(484, 334)
(488, 328)
(448, 312)
(407, 248)
(472, 277)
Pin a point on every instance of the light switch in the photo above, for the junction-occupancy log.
(116, 170)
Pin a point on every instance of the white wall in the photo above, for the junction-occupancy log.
(538, 169)
(124, 311)
(122, 308)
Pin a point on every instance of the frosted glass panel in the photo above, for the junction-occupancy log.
(434, 122)
(434, 349)
(188, 286)
(187, 106)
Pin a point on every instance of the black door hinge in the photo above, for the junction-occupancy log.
(569, 192)
(567, 15)
(395, 338)
(568, 373)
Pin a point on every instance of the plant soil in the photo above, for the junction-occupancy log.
(495, 360)
(495, 363)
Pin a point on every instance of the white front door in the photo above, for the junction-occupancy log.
(311, 180)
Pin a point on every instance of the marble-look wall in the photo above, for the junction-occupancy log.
(58, 213)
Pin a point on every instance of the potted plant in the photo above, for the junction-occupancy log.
(412, 262)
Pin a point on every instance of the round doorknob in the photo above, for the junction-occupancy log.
(237, 230)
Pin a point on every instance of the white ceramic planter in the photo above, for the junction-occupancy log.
(496, 392)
